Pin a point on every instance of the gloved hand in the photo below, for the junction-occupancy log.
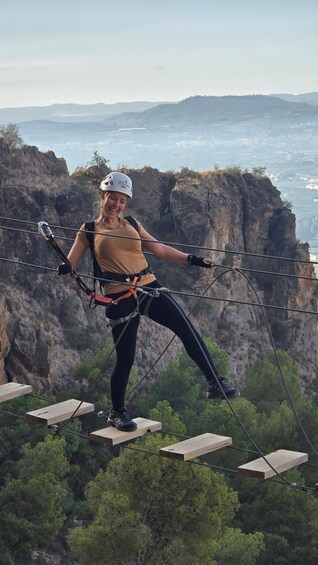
(200, 261)
(65, 269)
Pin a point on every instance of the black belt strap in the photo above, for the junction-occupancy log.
(119, 277)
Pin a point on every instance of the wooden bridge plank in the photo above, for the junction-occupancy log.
(58, 412)
(112, 436)
(195, 446)
(281, 460)
(9, 391)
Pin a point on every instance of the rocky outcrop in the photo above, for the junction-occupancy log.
(46, 322)
(234, 211)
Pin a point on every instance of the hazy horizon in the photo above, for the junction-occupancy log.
(97, 102)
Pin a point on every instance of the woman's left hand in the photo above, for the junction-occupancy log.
(200, 261)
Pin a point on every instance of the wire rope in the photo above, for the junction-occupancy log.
(180, 293)
(173, 243)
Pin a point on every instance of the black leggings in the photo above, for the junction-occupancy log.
(167, 312)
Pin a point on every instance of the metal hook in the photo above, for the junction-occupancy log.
(45, 230)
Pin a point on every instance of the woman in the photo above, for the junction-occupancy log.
(121, 259)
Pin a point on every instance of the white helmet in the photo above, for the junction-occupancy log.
(117, 182)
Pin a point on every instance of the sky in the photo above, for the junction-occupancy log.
(157, 50)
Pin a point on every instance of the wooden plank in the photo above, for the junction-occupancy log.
(58, 412)
(195, 446)
(13, 390)
(281, 460)
(112, 436)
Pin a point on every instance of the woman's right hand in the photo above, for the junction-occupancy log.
(65, 269)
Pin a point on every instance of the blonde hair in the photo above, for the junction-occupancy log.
(101, 211)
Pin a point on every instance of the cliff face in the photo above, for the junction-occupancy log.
(45, 320)
(241, 212)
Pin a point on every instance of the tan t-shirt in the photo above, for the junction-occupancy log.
(118, 254)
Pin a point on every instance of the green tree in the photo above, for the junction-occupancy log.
(32, 505)
(11, 135)
(287, 513)
(278, 430)
(97, 160)
(113, 533)
(169, 384)
(259, 172)
(264, 385)
(32, 513)
(45, 455)
(237, 548)
(178, 511)
(15, 432)
(171, 422)
(308, 414)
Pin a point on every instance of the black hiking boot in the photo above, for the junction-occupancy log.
(216, 387)
(121, 420)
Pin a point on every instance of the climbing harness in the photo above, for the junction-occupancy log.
(152, 293)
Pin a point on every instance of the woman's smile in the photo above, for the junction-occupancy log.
(114, 203)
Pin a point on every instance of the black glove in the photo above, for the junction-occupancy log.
(65, 269)
(200, 261)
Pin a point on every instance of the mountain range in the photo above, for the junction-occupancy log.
(99, 111)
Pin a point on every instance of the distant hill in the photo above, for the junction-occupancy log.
(196, 109)
(71, 112)
(210, 110)
(308, 97)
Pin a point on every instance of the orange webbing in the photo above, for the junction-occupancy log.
(106, 300)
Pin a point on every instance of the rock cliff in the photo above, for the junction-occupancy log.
(46, 322)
